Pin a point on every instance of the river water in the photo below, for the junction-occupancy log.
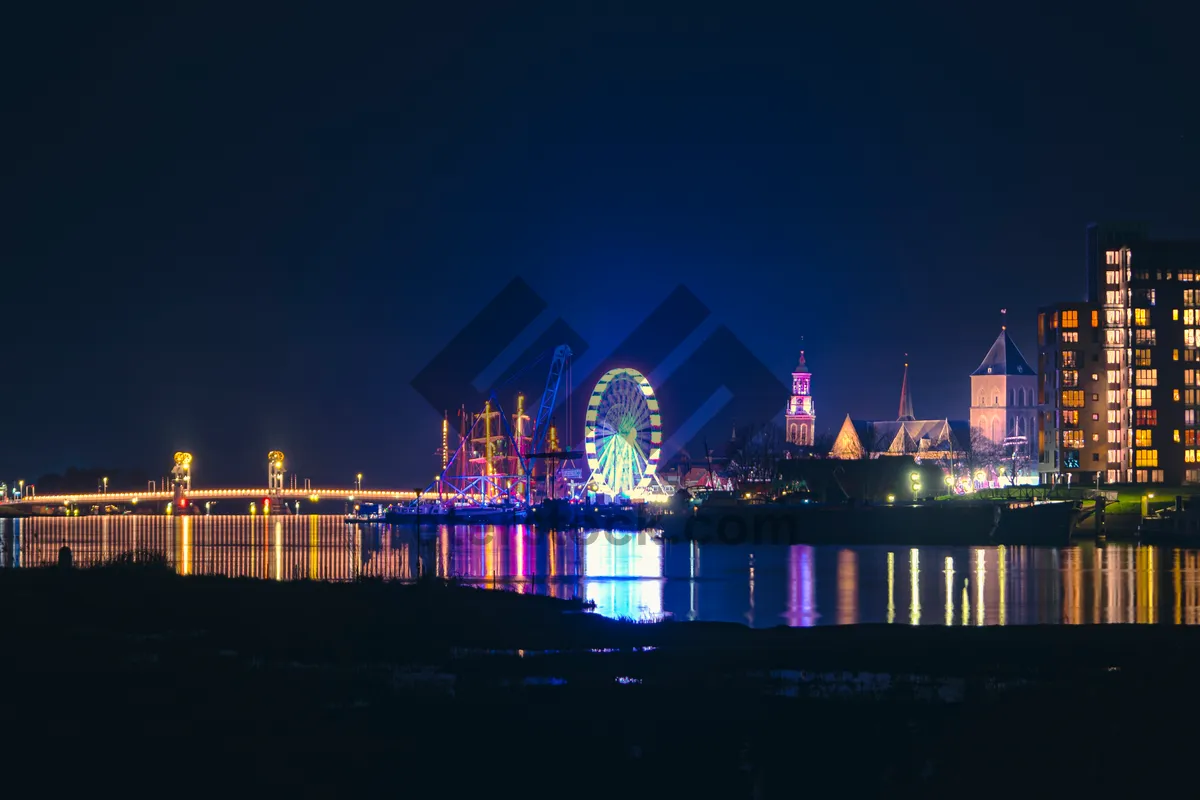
(634, 576)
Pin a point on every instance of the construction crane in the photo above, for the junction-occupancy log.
(541, 425)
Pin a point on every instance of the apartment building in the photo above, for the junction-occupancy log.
(1136, 349)
(1072, 395)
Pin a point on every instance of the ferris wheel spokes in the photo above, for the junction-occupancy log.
(623, 433)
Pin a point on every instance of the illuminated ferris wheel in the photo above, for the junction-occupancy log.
(622, 433)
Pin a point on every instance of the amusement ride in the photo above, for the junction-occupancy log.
(503, 460)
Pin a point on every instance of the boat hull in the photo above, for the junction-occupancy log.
(458, 517)
(947, 523)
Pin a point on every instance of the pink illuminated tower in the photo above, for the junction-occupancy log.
(801, 413)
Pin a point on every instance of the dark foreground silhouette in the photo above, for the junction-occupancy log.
(130, 677)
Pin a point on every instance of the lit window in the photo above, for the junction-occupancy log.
(1190, 316)
(1141, 317)
(1142, 397)
(1112, 257)
(1070, 358)
(1145, 336)
(1070, 319)
(1095, 319)
(1186, 275)
(1189, 438)
(1174, 313)
(1073, 398)
(1142, 438)
(1141, 358)
(1070, 418)
(1175, 354)
(1176, 393)
(1145, 458)
(1147, 377)
(1070, 377)
(1146, 416)
(1114, 457)
(1177, 434)
(1072, 440)
(1071, 336)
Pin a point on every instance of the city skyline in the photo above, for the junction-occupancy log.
(264, 254)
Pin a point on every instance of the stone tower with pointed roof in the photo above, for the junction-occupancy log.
(1004, 393)
(801, 414)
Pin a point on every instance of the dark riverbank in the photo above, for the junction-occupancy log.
(143, 679)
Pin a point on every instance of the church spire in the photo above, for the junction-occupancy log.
(906, 407)
(801, 367)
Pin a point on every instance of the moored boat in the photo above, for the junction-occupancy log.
(955, 522)
(450, 514)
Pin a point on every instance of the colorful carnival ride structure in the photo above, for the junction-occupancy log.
(503, 460)
(623, 436)
(493, 469)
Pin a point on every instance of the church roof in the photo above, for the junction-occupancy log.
(900, 437)
(1004, 358)
(802, 366)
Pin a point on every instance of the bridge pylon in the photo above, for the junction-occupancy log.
(275, 477)
(181, 478)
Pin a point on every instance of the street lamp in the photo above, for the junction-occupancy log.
(106, 485)
(358, 482)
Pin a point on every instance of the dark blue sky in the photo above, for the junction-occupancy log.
(230, 228)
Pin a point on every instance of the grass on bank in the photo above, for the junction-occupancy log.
(1129, 496)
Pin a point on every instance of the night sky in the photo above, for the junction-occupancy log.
(233, 228)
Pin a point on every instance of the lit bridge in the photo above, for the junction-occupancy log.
(182, 493)
(203, 495)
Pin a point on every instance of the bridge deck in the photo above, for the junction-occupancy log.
(250, 493)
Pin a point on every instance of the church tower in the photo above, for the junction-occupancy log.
(1003, 393)
(801, 413)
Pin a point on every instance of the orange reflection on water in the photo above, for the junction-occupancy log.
(847, 587)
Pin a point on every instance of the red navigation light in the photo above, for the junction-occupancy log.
(183, 502)
(266, 502)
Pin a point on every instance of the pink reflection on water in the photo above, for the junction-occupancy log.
(802, 587)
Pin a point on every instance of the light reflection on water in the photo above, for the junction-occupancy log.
(631, 575)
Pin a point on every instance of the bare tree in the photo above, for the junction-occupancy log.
(984, 454)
